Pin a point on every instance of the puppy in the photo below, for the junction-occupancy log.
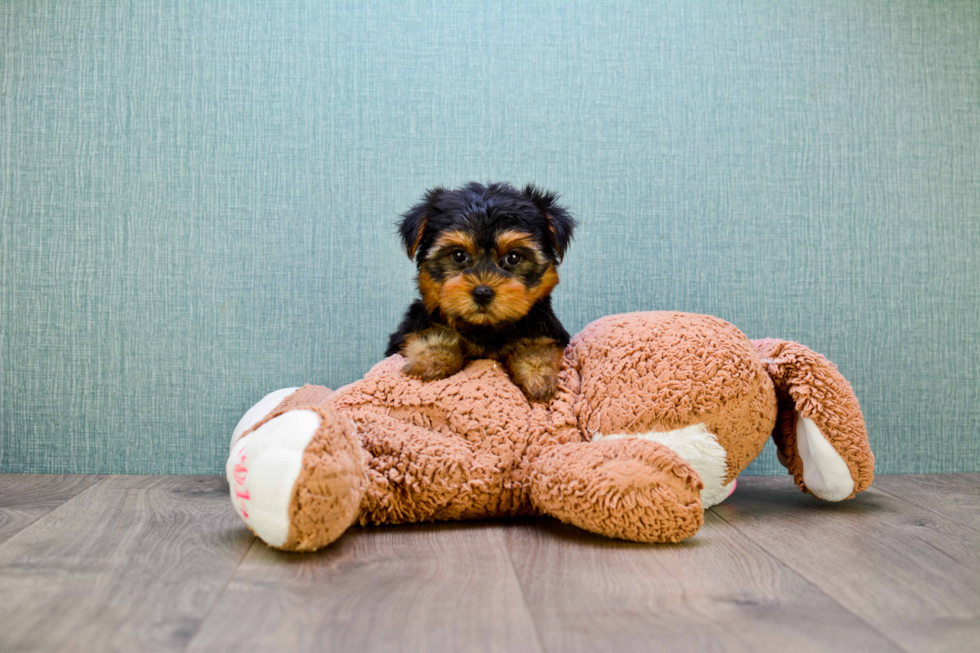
(487, 259)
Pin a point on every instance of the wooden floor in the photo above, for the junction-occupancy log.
(158, 563)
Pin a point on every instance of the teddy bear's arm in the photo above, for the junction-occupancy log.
(413, 474)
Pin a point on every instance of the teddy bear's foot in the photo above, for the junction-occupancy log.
(818, 466)
(308, 395)
(825, 472)
(258, 412)
(630, 489)
(297, 479)
(820, 433)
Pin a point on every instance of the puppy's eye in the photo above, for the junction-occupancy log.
(459, 256)
(512, 259)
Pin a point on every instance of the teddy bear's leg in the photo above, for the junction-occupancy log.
(820, 434)
(630, 488)
(297, 478)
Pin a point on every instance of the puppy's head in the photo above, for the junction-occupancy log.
(486, 254)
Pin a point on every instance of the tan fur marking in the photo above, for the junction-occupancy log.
(508, 240)
(512, 301)
(456, 297)
(433, 354)
(431, 291)
(553, 236)
(533, 365)
(457, 238)
(548, 282)
(418, 238)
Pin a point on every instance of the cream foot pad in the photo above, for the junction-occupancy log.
(263, 468)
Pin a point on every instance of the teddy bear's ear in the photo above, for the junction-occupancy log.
(412, 225)
(561, 225)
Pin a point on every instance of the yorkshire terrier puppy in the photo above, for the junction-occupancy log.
(487, 259)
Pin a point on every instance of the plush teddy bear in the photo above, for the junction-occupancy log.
(655, 415)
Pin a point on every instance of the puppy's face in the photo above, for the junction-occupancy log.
(486, 255)
(485, 277)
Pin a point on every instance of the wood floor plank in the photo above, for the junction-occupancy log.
(906, 570)
(431, 587)
(25, 498)
(956, 496)
(131, 564)
(149, 563)
(718, 591)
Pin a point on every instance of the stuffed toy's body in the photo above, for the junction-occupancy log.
(655, 416)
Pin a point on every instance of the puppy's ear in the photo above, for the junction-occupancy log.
(561, 225)
(411, 227)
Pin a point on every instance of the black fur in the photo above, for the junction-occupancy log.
(539, 321)
(484, 211)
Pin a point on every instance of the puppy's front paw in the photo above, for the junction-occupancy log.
(540, 385)
(432, 354)
(533, 365)
(431, 368)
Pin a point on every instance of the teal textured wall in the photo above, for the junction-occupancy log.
(197, 198)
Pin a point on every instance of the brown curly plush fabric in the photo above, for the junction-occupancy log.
(470, 446)
(645, 372)
(808, 385)
(631, 489)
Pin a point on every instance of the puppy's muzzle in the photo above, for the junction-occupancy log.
(483, 295)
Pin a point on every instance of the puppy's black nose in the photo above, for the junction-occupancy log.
(483, 295)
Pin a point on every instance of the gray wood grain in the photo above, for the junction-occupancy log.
(24, 498)
(906, 570)
(716, 592)
(956, 496)
(132, 564)
(432, 587)
(159, 563)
